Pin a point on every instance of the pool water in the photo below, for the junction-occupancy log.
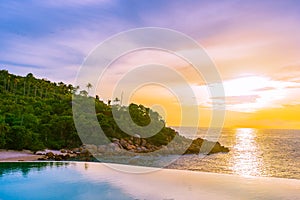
(85, 180)
(48, 180)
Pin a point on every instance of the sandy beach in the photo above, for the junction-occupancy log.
(11, 155)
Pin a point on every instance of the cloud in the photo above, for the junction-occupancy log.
(288, 73)
(293, 87)
(233, 100)
(264, 89)
(53, 38)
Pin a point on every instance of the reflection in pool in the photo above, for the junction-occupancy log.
(48, 180)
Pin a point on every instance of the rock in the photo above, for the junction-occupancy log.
(114, 147)
(123, 143)
(136, 141)
(218, 148)
(63, 151)
(115, 140)
(148, 146)
(50, 155)
(143, 142)
(58, 158)
(130, 147)
(73, 155)
(130, 141)
(40, 153)
(144, 149)
(85, 153)
(66, 156)
(138, 149)
(76, 150)
(200, 145)
(91, 148)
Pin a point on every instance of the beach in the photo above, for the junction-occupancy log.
(12, 155)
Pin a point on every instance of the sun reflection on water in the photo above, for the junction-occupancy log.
(246, 160)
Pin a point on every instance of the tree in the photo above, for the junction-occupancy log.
(83, 93)
(4, 128)
(116, 100)
(89, 86)
(35, 121)
(75, 89)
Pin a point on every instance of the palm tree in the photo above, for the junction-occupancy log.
(116, 100)
(16, 81)
(89, 86)
(8, 82)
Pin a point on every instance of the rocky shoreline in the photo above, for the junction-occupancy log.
(134, 146)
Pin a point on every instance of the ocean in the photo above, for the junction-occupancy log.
(253, 152)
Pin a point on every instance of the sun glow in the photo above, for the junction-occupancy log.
(249, 94)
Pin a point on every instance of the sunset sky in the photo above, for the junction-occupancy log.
(255, 46)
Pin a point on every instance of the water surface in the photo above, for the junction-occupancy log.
(48, 180)
(254, 152)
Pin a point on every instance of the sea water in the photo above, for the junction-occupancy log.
(253, 152)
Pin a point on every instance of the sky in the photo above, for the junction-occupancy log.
(255, 46)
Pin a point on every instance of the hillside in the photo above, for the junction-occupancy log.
(36, 114)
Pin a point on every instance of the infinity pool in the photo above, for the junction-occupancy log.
(79, 180)
(52, 181)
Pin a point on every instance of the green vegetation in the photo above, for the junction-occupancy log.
(37, 114)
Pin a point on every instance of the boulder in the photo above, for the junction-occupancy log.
(85, 153)
(114, 147)
(130, 141)
(63, 151)
(91, 148)
(58, 157)
(40, 153)
(114, 140)
(130, 147)
(50, 155)
(200, 145)
(143, 142)
(66, 156)
(123, 143)
(136, 141)
(76, 150)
